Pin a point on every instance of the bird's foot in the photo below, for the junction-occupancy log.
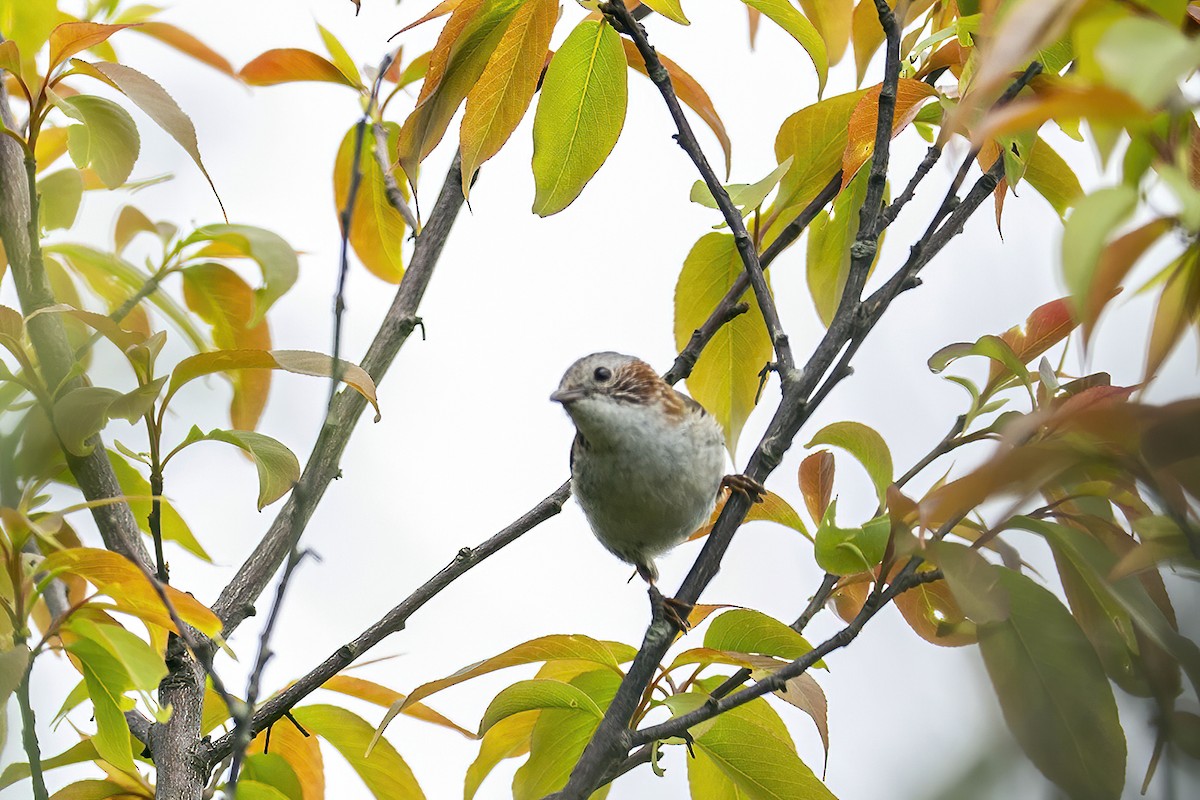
(674, 611)
(744, 485)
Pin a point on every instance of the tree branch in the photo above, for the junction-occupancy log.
(236, 600)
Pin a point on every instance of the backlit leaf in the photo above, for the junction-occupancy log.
(302, 754)
(137, 491)
(847, 551)
(377, 229)
(498, 101)
(508, 738)
(144, 666)
(291, 64)
(725, 379)
(1114, 263)
(830, 237)
(771, 508)
(70, 38)
(84, 411)
(1088, 228)
(743, 630)
(1049, 324)
(185, 43)
(931, 610)
(341, 59)
(816, 482)
(911, 94)
(1052, 178)
(107, 682)
(579, 115)
(274, 256)
(107, 140)
(866, 445)
(1178, 306)
(671, 9)
(536, 694)
(60, 193)
(384, 772)
(1066, 101)
(786, 16)
(278, 469)
(832, 19)
(381, 695)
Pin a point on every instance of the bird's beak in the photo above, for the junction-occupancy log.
(566, 396)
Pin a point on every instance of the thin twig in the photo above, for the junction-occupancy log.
(893, 210)
(392, 190)
(623, 21)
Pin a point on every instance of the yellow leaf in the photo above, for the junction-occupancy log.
(291, 64)
(383, 696)
(376, 228)
(773, 508)
(671, 9)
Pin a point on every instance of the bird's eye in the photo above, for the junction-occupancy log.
(602, 374)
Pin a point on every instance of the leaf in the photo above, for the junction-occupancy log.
(785, 15)
(911, 94)
(274, 256)
(1064, 102)
(1087, 230)
(1115, 261)
(382, 769)
(1052, 178)
(1145, 57)
(381, 695)
(440, 10)
(803, 692)
(1046, 326)
(1178, 305)
(1053, 691)
(115, 576)
(816, 482)
(83, 412)
(144, 665)
(289, 65)
(137, 492)
(536, 694)
(745, 631)
(107, 683)
(508, 738)
(249, 789)
(579, 115)
(61, 193)
(377, 229)
(10, 58)
(107, 140)
(278, 469)
(70, 38)
(500, 98)
(848, 551)
(301, 362)
(690, 93)
(547, 648)
(745, 197)
(559, 738)
(185, 43)
(458, 60)
(671, 9)
(770, 508)
(750, 747)
(866, 445)
(989, 346)
(302, 754)
(13, 663)
(832, 19)
(76, 754)
(151, 98)
(274, 772)
(831, 234)
(932, 612)
(725, 378)
(341, 59)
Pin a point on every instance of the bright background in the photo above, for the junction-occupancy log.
(469, 439)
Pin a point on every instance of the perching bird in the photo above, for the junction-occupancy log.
(647, 461)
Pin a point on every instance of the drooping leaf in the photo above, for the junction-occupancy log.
(1050, 175)
(498, 101)
(1178, 305)
(291, 64)
(508, 738)
(381, 695)
(770, 508)
(536, 694)
(832, 19)
(385, 773)
(106, 681)
(786, 16)
(725, 378)
(274, 256)
(278, 468)
(830, 237)
(816, 482)
(1114, 263)
(377, 229)
(579, 115)
(301, 362)
(1053, 691)
(119, 579)
(107, 140)
(144, 665)
(931, 610)
(77, 753)
(61, 193)
(185, 43)
(1087, 230)
(866, 445)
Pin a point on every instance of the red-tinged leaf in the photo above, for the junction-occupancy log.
(803, 692)
(10, 59)
(301, 362)
(118, 578)
(1178, 307)
(932, 612)
(1116, 260)
(773, 508)
(690, 92)
(1064, 102)
(498, 101)
(440, 10)
(160, 107)
(221, 298)
(291, 64)
(816, 483)
(455, 65)
(1048, 325)
(187, 44)
(754, 17)
(70, 38)
(911, 94)
(951, 56)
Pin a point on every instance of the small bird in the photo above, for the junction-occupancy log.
(647, 461)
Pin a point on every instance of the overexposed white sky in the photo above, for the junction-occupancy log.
(469, 439)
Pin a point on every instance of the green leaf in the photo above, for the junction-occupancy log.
(559, 738)
(786, 16)
(830, 236)
(508, 738)
(973, 582)
(107, 681)
(274, 256)
(745, 631)
(671, 9)
(579, 115)
(376, 228)
(13, 663)
(866, 445)
(848, 551)
(142, 663)
(989, 346)
(77, 753)
(341, 59)
(746, 197)
(83, 412)
(536, 694)
(1053, 691)
(272, 770)
(1087, 230)
(725, 378)
(572, 647)
(1052, 178)
(384, 772)
(61, 194)
(1146, 58)
(153, 99)
(301, 362)
(250, 789)
(278, 468)
(137, 491)
(107, 140)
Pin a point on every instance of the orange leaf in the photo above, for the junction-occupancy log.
(289, 65)
(932, 612)
(816, 483)
(70, 38)
(440, 10)
(910, 96)
(689, 91)
(951, 56)
(300, 751)
(1117, 258)
(381, 695)
(1063, 101)
(1048, 325)
(187, 44)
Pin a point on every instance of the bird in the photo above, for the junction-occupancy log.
(647, 462)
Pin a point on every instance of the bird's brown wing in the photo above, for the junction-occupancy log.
(691, 405)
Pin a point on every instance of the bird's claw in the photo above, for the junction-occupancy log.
(744, 485)
(673, 610)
